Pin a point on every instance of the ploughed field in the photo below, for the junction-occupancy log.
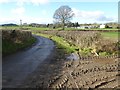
(94, 73)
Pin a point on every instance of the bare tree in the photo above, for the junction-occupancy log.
(63, 15)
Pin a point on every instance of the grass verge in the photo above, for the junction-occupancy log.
(61, 43)
(69, 48)
(9, 47)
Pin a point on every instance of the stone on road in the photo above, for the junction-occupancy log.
(16, 67)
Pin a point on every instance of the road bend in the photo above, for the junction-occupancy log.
(16, 67)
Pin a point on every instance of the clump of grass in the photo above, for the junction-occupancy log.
(85, 51)
(9, 47)
(104, 54)
(61, 43)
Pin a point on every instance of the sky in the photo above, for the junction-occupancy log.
(42, 11)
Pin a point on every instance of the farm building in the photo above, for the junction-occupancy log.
(84, 27)
(102, 26)
(87, 27)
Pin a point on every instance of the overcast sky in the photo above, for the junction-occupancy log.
(41, 11)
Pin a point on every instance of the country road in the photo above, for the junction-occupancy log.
(16, 67)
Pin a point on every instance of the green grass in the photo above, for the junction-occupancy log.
(110, 35)
(61, 43)
(104, 29)
(37, 28)
(22, 28)
(9, 47)
(10, 27)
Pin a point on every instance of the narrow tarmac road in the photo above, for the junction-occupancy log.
(16, 67)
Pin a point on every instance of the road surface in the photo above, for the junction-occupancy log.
(16, 67)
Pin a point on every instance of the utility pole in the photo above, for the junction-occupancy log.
(20, 23)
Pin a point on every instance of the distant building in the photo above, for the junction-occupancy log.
(82, 27)
(86, 27)
(102, 26)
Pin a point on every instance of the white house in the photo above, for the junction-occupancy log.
(84, 27)
(102, 26)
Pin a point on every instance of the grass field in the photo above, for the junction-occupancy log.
(111, 35)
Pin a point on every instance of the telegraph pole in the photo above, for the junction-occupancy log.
(20, 23)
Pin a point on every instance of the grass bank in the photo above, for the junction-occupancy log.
(9, 47)
(61, 43)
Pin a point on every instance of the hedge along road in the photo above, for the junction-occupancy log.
(16, 67)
